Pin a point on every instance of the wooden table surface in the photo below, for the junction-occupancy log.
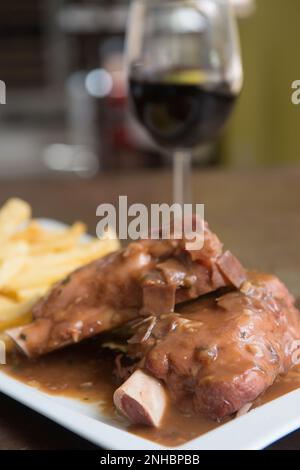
(256, 214)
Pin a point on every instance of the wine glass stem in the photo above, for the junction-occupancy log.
(182, 181)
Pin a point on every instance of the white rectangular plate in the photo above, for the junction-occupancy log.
(255, 430)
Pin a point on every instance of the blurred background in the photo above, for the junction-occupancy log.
(66, 105)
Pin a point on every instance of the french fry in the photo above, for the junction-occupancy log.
(44, 241)
(23, 295)
(46, 269)
(35, 278)
(10, 268)
(12, 249)
(12, 215)
(30, 234)
(14, 313)
(33, 258)
(61, 241)
(12, 259)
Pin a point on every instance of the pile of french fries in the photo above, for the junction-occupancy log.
(33, 258)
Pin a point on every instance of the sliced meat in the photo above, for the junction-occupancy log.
(163, 288)
(219, 353)
(146, 278)
(231, 269)
(142, 399)
(190, 274)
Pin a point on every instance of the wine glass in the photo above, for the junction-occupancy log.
(184, 71)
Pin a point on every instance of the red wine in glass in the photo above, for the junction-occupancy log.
(180, 114)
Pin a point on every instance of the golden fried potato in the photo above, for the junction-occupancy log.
(41, 240)
(33, 258)
(12, 259)
(14, 313)
(12, 215)
(45, 269)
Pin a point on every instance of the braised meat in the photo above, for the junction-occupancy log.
(222, 351)
(193, 322)
(93, 299)
(147, 278)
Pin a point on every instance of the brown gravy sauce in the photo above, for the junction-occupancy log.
(85, 372)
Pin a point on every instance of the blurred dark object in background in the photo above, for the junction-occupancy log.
(66, 112)
(22, 60)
